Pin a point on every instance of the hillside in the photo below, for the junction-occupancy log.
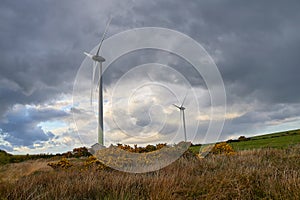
(273, 140)
(256, 174)
(260, 173)
(5, 157)
(279, 140)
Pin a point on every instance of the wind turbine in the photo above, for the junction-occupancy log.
(99, 59)
(181, 108)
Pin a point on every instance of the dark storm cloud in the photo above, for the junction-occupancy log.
(258, 42)
(136, 58)
(255, 44)
(260, 118)
(42, 44)
(20, 126)
(12, 95)
(32, 54)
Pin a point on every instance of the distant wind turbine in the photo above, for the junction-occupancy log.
(99, 59)
(181, 108)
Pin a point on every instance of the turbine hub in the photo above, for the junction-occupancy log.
(98, 58)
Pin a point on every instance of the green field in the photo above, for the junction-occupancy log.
(279, 140)
(275, 140)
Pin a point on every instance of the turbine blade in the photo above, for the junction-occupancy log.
(91, 96)
(103, 36)
(184, 99)
(94, 71)
(176, 106)
(150, 78)
(92, 82)
(87, 54)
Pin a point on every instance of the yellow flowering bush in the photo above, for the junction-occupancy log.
(62, 164)
(222, 148)
(92, 161)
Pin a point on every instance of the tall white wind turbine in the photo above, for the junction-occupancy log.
(181, 108)
(98, 60)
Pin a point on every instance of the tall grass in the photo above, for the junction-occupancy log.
(256, 174)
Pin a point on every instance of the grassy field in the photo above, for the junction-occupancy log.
(275, 140)
(256, 174)
(267, 168)
(279, 140)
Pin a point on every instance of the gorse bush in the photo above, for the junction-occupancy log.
(93, 163)
(140, 159)
(81, 152)
(62, 164)
(222, 148)
(136, 149)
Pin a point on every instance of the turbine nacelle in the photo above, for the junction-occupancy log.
(98, 58)
(179, 107)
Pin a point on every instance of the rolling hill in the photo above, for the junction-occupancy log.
(274, 140)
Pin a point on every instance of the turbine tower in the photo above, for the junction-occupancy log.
(98, 59)
(181, 108)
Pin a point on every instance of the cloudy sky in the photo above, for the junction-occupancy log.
(255, 45)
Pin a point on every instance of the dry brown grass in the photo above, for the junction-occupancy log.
(259, 174)
(13, 172)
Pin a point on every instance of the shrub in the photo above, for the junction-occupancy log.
(136, 149)
(93, 162)
(161, 145)
(243, 138)
(150, 148)
(5, 157)
(222, 148)
(67, 154)
(81, 152)
(62, 164)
